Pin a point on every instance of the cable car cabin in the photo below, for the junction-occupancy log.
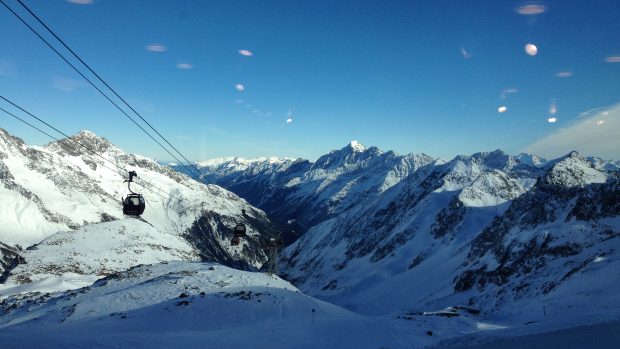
(235, 241)
(133, 205)
(240, 230)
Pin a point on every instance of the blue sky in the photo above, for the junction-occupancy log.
(411, 76)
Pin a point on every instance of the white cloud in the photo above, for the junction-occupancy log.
(246, 53)
(289, 120)
(66, 85)
(239, 87)
(564, 74)
(184, 66)
(596, 132)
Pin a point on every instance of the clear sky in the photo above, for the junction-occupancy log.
(411, 76)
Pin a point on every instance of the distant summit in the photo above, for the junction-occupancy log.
(357, 146)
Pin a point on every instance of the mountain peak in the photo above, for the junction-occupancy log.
(357, 146)
(573, 170)
(83, 139)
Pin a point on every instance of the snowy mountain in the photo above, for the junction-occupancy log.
(400, 234)
(302, 193)
(486, 231)
(54, 196)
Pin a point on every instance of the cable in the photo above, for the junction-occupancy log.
(144, 184)
(104, 82)
(170, 196)
(59, 131)
(97, 88)
(60, 140)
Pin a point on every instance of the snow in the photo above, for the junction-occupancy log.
(489, 327)
(357, 146)
(491, 189)
(55, 283)
(94, 251)
(190, 304)
(574, 170)
(226, 308)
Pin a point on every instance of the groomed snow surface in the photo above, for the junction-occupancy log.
(198, 305)
(192, 304)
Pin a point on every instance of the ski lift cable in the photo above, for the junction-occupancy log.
(59, 140)
(111, 169)
(106, 84)
(97, 88)
(67, 138)
(143, 183)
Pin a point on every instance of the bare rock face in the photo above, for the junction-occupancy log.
(10, 257)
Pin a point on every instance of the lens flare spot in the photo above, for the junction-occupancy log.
(531, 49)
(613, 59)
(553, 107)
(156, 48)
(82, 2)
(466, 54)
(531, 9)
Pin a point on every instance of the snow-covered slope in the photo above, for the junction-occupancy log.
(55, 188)
(94, 251)
(193, 305)
(189, 305)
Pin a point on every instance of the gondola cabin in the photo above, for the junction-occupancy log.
(235, 241)
(133, 205)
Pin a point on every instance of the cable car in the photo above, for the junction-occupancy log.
(134, 203)
(235, 241)
(240, 230)
(239, 233)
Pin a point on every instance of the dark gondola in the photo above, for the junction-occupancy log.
(134, 203)
(239, 233)
(240, 230)
(235, 241)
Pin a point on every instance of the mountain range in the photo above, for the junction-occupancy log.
(386, 233)
(385, 249)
